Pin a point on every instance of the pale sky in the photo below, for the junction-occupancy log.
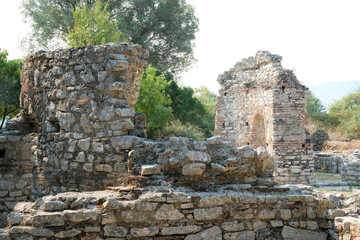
(320, 39)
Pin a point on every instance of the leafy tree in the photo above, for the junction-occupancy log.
(314, 106)
(10, 86)
(347, 112)
(153, 101)
(166, 27)
(92, 25)
(318, 115)
(187, 108)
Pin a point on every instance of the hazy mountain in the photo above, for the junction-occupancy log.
(330, 91)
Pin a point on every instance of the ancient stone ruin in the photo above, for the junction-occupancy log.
(261, 104)
(75, 164)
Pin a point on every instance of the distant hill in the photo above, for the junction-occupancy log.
(330, 91)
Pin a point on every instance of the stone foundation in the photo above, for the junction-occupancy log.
(232, 212)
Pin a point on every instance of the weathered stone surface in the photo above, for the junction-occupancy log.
(144, 232)
(66, 120)
(114, 231)
(244, 235)
(168, 212)
(41, 232)
(50, 206)
(290, 233)
(68, 234)
(48, 219)
(214, 201)
(147, 170)
(211, 233)
(77, 216)
(194, 169)
(208, 213)
(180, 230)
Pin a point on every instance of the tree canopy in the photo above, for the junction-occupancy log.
(165, 27)
(93, 25)
(153, 101)
(10, 86)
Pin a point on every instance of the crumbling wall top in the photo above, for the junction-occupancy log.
(264, 70)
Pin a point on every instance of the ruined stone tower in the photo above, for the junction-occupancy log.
(261, 104)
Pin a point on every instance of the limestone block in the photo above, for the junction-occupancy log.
(103, 168)
(258, 224)
(147, 170)
(179, 143)
(84, 144)
(188, 229)
(197, 156)
(146, 206)
(92, 229)
(68, 234)
(42, 219)
(40, 232)
(276, 223)
(144, 232)
(232, 226)
(125, 112)
(208, 213)
(290, 233)
(214, 140)
(243, 235)
(81, 215)
(107, 218)
(267, 214)
(168, 212)
(107, 113)
(125, 125)
(50, 206)
(6, 185)
(15, 218)
(312, 225)
(194, 169)
(114, 231)
(88, 167)
(81, 157)
(123, 142)
(65, 120)
(98, 147)
(213, 233)
(214, 201)
(21, 184)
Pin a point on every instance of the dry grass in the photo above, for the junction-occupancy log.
(331, 146)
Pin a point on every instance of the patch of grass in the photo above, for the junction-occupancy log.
(327, 177)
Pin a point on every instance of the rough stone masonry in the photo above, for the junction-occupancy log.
(74, 165)
(263, 104)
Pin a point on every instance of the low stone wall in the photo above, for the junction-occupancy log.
(233, 212)
(15, 172)
(328, 163)
(351, 173)
(347, 228)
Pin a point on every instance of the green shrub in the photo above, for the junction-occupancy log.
(178, 129)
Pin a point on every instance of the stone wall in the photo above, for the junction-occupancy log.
(328, 163)
(347, 228)
(80, 101)
(263, 104)
(350, 173)
(15, 170)
(233, 212)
